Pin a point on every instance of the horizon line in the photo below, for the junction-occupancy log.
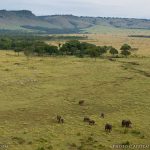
(9, 10)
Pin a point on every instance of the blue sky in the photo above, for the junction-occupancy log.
(112, 8)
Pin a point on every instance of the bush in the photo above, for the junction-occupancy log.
(51, 49)
(126, 143)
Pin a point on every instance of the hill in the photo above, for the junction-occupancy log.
(18, 20)
(26, 21)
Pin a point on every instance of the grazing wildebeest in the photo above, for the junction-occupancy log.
(86, 119)
(102, 115)
(108, 127)
(123, 123)
(91, 122)
(60, 119)
(81, 102)
(126, 123)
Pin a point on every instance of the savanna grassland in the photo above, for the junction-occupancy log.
(115, 40)
(35, 90)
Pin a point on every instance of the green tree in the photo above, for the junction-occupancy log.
(70, 47)
(125, 53)
(125, 47)
(93, 52)
(51, 49)
(125, 50)
(39, 48)
(102, 50)
(5, 43)
(113, 51)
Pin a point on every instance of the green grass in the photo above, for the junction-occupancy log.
(34, 91)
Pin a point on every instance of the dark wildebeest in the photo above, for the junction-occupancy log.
(60, 119)
(102, 115)
(126, 123)
(86, 119)
(91, 122)
(81, 102)
(108, 127)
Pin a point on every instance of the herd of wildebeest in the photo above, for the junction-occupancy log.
(108, 127)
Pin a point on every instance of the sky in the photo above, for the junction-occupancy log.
(102, 8)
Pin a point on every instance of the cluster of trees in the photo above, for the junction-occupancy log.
(72, 47)
(27, 45)
(82, 49)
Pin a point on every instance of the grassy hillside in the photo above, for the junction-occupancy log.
(34, 91)
(18, 20)
(26, 21)
(67, 21)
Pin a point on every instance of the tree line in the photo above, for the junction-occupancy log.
(73, 47)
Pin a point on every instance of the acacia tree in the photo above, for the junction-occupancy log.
(113, 51)
(70, 47)
(125, 47)
(125, 50)
(102, 50)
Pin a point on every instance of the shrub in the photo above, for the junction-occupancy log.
(126, 143)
